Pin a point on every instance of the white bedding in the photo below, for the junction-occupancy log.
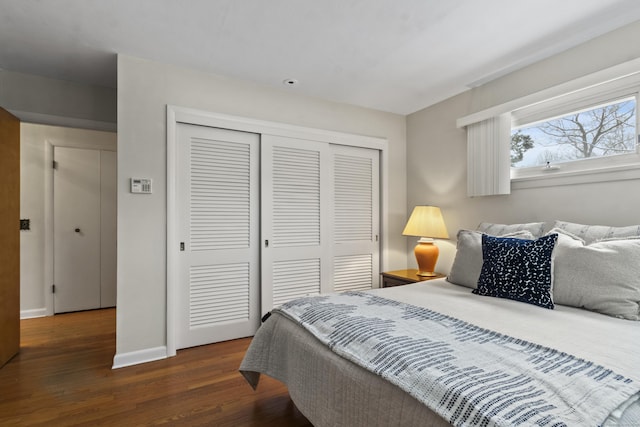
(605, 340)
(608, 341)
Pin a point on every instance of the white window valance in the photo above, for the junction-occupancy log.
(488, 156)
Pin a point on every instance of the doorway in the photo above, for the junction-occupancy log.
(38, 143)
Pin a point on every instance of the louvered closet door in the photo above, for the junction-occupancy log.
(295, 228)
(218, 195)
(356, 195)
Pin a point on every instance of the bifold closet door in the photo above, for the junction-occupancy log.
(218, 198)
(356, 218)
(296, 236)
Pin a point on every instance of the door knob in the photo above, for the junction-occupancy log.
(77, 230)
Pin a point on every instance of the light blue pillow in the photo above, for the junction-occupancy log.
(467, 263)
(518, 269)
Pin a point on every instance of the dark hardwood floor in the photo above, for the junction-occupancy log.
(62, 376)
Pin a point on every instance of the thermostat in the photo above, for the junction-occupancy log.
(141, 185)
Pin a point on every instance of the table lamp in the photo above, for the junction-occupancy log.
(426, 222)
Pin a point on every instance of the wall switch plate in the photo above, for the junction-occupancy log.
(141, 185)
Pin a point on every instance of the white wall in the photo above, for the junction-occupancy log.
(144, 90)
(436, 150)
(35, 171)
(37, 99)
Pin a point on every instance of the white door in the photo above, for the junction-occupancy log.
(218, 224)
(356, 218)
(76, 199)
(295, 222)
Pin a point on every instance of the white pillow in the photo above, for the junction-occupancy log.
(467, 264)
(501, 230)
(591, 233)
(603, 276)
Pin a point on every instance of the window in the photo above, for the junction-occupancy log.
(605, 130)
(589, 134)
(580, 131)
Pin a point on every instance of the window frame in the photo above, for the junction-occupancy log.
(594, 169)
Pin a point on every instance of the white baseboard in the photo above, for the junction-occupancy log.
(34, 312)
(139, 356)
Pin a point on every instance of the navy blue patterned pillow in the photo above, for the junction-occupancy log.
(517, 269)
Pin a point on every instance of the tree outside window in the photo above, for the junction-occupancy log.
(606, 130)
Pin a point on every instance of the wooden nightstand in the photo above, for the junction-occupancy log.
(404, 277)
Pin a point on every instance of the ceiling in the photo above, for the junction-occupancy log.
(393, 55)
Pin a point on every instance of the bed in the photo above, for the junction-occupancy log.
(315, 346)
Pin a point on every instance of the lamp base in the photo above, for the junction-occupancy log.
(426, 253)
(426, 274)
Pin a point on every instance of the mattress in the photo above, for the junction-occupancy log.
(329, 390)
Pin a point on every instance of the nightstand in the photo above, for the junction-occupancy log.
(404, 277)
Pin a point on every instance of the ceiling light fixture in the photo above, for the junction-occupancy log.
(290, 82)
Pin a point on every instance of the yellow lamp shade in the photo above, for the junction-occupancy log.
(426, 222)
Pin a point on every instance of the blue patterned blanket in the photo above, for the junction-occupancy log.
(468, 375)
